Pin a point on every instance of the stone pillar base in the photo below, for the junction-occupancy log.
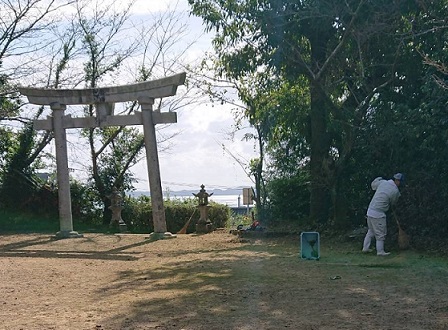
(204, 227)
(156, 236)
(123, 227)
(116, 226)
(67, 234)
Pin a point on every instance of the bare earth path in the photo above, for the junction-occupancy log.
(213, 281)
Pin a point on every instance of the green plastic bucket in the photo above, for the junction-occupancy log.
(310, 245)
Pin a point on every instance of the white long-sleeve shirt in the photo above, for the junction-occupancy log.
(386, 194)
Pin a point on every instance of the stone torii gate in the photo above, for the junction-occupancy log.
(104, 100)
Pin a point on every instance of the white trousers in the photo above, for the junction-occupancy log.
(378, 229)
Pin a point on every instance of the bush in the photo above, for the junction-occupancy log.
(219, 215)
(86, 209)
(289, 200)
(137, 214)
(25, 222)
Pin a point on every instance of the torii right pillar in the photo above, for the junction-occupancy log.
(152, 158)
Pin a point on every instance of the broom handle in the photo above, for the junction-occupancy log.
(184, 228)
(396, 218)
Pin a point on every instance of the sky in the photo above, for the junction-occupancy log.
(201, 152)
(197, 155)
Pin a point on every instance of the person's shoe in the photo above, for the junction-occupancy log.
(367, 251)
(380, 249)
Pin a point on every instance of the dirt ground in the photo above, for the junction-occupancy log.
(213, 281)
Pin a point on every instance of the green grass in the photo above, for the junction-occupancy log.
(11, 222)
(21, 223)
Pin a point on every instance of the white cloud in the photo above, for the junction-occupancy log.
(205, 117)
(198, 157)
(141, 7)
(145, 6)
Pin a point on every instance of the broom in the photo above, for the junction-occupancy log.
(184, 228)
(403, 238)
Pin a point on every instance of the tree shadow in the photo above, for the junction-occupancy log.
(23, 248)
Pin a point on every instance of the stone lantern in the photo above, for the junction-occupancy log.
(204, 225)
(116, 205)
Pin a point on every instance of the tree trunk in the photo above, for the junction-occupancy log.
(340, 204)
(319, 190)
(107, 213)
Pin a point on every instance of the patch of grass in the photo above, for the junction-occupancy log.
(381, 265)
(11, 222)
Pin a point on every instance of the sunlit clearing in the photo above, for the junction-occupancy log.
(357, 290)
(345, 313)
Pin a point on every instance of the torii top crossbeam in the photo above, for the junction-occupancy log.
(149, 89)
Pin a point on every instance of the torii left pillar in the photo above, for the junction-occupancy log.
(65, 204)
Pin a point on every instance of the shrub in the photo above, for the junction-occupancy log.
(289, 200)
(137, 214)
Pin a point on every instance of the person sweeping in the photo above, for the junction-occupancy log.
(386, 195)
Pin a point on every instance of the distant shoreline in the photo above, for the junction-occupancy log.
(183, 193)
(230, 197)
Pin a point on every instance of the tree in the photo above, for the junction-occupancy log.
(92, 48)
(112, 150)
(346, 53)
(115, 150)
(21, 31)
(24, 157)
(250, 98)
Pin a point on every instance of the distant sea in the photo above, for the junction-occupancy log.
(229, 200)
(232, 199)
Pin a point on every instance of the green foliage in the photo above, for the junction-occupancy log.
(9, 100)
(219, 215)
(18, 182)
(86, 204)
(41, 213)
(113, 149)
(411, 138)
(177, 213)
(239, 219)
(8, 144)
(337, 56)
(114, 162)
(289, 202)
(339, 93)
(27, 222)
(38, 213)
(137, 214)
(355, 98)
